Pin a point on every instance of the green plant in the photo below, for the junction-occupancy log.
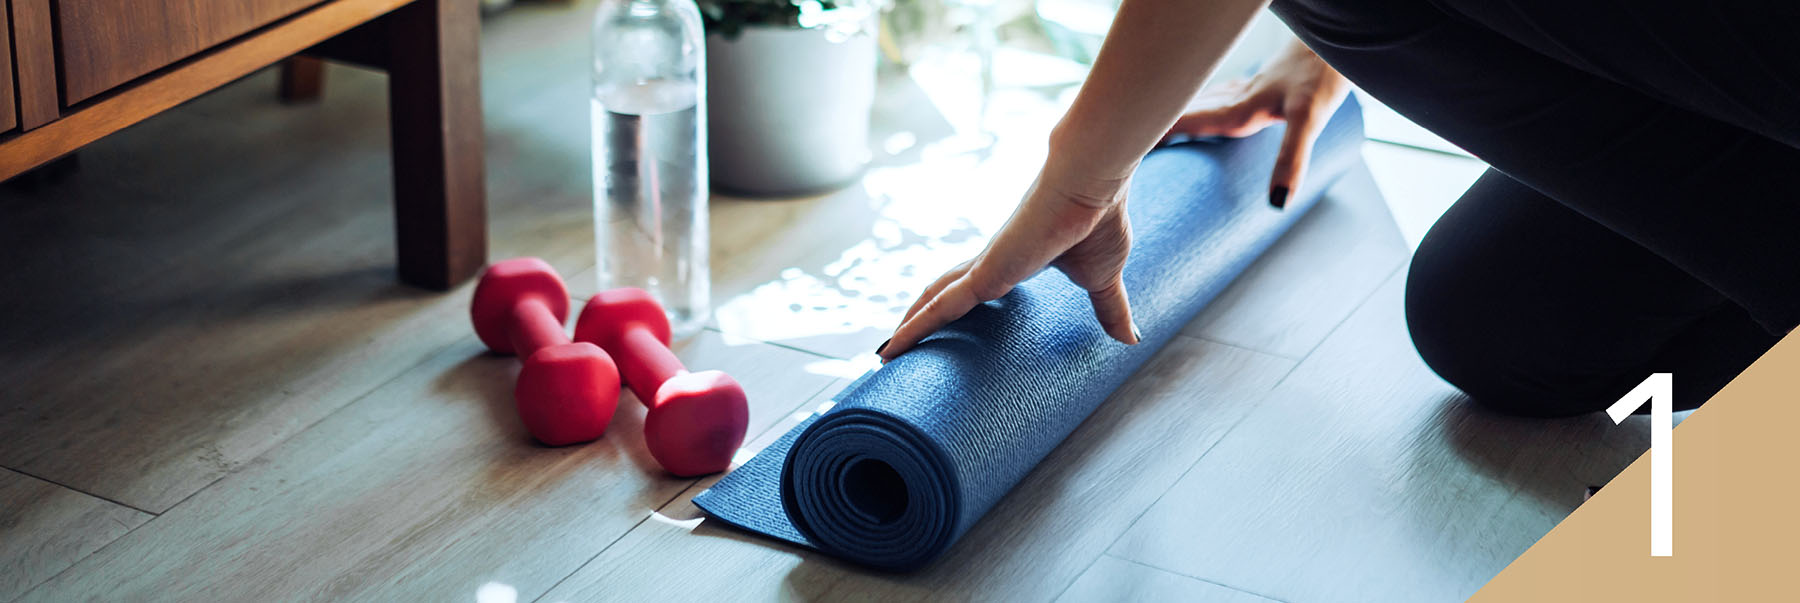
(728, 17)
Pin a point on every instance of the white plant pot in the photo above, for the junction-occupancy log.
(788, 109)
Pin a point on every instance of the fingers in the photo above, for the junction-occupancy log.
(1113, 308)
(1296, 149)
(936, 287)
(1236, 120)
(950, 303)
(1212, 121)
(956, 297)
(1236, 111)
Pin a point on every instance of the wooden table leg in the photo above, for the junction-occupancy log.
(434, 110)
(302, 79)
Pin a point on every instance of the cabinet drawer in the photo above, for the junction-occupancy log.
(104, 43)
(9, 116)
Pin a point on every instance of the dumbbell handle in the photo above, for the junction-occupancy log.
(535, 327)
(644, 361)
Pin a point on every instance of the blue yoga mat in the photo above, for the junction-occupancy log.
(912, 455)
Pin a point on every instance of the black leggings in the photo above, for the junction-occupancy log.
(1645, 190)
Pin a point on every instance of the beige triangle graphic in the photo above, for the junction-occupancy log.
(1736, 510)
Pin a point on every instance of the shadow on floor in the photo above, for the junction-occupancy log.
(1553, 460)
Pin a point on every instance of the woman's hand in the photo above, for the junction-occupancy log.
(1079, 228)
(1295, 86)
(1155, 56)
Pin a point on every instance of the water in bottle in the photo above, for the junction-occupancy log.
(650, 182)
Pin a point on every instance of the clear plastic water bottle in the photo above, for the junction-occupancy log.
(650, 181)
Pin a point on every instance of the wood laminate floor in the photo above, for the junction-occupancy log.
(213, 388)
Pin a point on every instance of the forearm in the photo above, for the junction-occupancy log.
(1155, 57)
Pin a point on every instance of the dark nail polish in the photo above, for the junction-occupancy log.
(1136, 335)
(1278, 196)
(883, 347)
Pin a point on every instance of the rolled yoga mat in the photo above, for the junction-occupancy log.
(909, 457)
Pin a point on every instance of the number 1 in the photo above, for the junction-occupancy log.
(1658, 389)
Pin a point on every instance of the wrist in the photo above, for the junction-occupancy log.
(1078, 170)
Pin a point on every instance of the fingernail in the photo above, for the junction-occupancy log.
(882, 347)
(1278, 196)
(1136, 336)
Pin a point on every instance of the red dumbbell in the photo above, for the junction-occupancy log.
(567, 391)
(696, 420)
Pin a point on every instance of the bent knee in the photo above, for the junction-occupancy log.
(1493, 356)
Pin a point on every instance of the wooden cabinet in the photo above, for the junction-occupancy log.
(8, 118)
(34, 62)
(82, 69)
(104, 43)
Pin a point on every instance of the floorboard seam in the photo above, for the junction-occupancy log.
(1197, 460)
(678, 494)
(53, 577)
(1185, 472)
(79, 490)
(1239, 347)
(1294, 365)
(778, 344)
(1212, 582)
(1340, 324)
(615, 540)
(77, 562)
(154, 516)
(1084, 570)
